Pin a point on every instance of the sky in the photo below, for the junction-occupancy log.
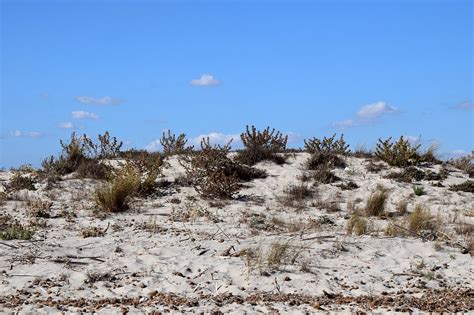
(368, 69)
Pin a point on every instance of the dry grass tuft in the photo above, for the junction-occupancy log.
(295, 195)
(376, 203)
(421, 220)
(357, 225)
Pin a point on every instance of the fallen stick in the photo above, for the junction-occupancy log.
(8, 245)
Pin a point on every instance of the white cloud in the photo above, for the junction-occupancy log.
(375, 110)
(31, 134)
(367, 114)
(80, 114)
(66, 125)
(464, 106)
(155, 145)
(106, 100)
(218, 138)
(205, 80)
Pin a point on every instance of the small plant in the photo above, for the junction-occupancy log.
(295, 195)
(401, 153)
(376, 203)
(116, 196)
(464, 163)
(324, 175)
(418, 190)
(281, 253)
(39, 209)
(261, 146)
(327, 145)
(467, 186)
(421, 219)
(19, 182)
(17, 232)
(402, 208)
(174, 145)
(92, 231)
(357, 225)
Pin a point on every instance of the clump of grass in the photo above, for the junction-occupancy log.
(467, 186)
(262, 146)
(357, 225)
(16, 232)
(116, 196)
(295, 195)
(419, 190)
(421, 219)
(376, 203)
(281, 253)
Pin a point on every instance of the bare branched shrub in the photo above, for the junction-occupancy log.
(83, 156)
(262, 145)
(327, 145)
(174, 145)
(400, 153)
(211, 171)
(116, 196)
(376, 203)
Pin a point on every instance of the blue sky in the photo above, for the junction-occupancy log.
(368, 69)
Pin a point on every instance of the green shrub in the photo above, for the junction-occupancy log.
(261, 146)
(467, 186)
(400, 153)
(418, 190)
(16, 232)
(327, 145)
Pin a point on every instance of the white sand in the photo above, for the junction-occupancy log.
(182, 250)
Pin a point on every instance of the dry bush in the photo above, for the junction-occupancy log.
(421, 220)
(83, 156)
(376, 203)
(467, 186)
(357, 225)
(116, 196)
(400, 153)
(262, 146)
(320, 160)
(327, 145)
(211, 171)
(92, 231)
(282, 253)
(464, 163)
(362, 152)
(402, 208)
(375, 167)
(39, 209)
(19, 182)
(324, 175)
(174, 145)
(295, 195)
(147, 164)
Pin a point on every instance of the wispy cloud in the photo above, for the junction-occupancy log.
(375, 110)
(464, 106)
(205, 80)
(106, 100)
(66, 125)
(30, 134)
(367, 114)
(44, 95)
(80, 114)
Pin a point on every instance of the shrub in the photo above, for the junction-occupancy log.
(464, 163)
(211, 171)
(357, 225)
(116, 196)
(324, 175)
(320, 160)
(467, 186)
(421, 219)
(16, 232)
(400, 153)
(294, 195)
(418, 190)
(261, 146)
(376, 203)
(19, 182)
(172, 145)
(327, 145)
(148, 164)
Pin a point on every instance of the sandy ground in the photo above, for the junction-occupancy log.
(179, 253)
